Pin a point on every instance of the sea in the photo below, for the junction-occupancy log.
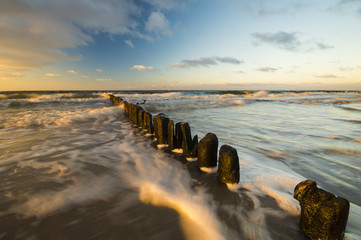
(72, 166)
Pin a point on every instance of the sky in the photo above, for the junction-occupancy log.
(180, 44)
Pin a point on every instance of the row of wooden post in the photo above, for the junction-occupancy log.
(323, 215)
(178, 135)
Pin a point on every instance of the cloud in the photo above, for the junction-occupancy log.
(283, 40)
(158, 23)
(166, 4)
(34, 33)
(267, 69)
(346, 69)
(85, 76)
(197, 62)
(323, 46)
(342, 5)
(129, 43)
(141, 68)
(52, 75)
(10, 75)
(289, 41)
(228, 60)
(99, 70)
(206, 62)
(72, 72)
(104, 80)
(327, 76)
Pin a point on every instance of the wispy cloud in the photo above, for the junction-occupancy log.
(342, 5)
(158, 23)
(197, 62)
(129, 43)
(52, 75)
(72, 72)
(206, 62)
(283, 40)
(99, 70)
(228, 60)
(346, 69)
(10, 75)
(289, 41)
(266, 69)
(34, 33)
(141, 68)
(167, 4)
(104, 80)
(327, 76)
(323, 46)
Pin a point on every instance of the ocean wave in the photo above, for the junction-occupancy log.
(191, 105)
(24, 95)
(46, 118)
(350, 109)
(51, 95)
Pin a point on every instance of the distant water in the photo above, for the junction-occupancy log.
(73, 167)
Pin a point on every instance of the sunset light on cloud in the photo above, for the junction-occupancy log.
(187, 44)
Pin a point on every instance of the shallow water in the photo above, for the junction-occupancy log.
(72, 166)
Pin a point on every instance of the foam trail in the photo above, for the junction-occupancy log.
(209, 170)
(197, 221)
(164, 182)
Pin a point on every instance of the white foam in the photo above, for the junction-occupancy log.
(161, 146)
(233, 186)
(278, 188)
(209, 170)
(257, 94)
(81, 192)
(178, 150)
(197, 219)
(45, 118)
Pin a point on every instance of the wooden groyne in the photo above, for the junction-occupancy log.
(323, 215)
(178, 136)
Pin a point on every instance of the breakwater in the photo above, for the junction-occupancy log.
(178, 136)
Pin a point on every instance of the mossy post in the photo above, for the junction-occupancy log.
(115, 100)
(187, 139)
(161, 128)
(171, 134)
(126, 108)
(194, 150)
(207, 151)
(228, 168)
(132, 114)
(178, 141)
(323, 215)
(135, 115)
(148, 124)
(140, 117)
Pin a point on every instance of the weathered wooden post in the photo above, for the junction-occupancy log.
(178, 141)
(140, 117)
(126, 108)
(148, 124)
(171, 144)
(194, 150)
(187, 139)
(207, 151)
(161, 128)
(323, 215)
(189, 146)
(228, 168)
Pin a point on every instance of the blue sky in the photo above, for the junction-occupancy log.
(180, 44)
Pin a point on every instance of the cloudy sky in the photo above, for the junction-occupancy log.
(180, 44)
